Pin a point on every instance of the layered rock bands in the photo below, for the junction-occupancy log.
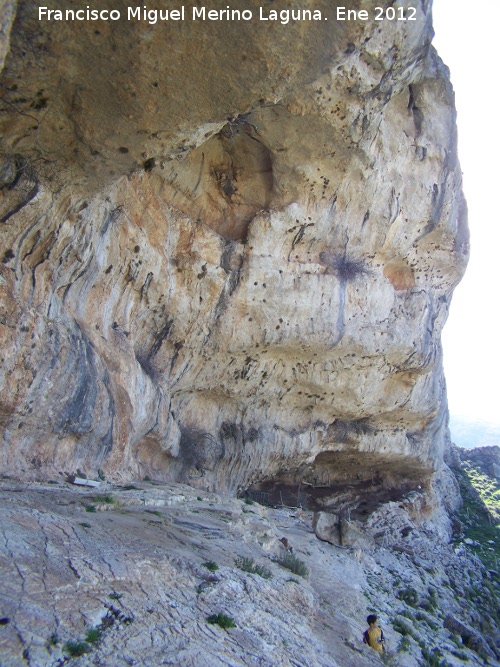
(228, 250)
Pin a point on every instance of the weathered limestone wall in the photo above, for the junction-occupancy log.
(226, 251)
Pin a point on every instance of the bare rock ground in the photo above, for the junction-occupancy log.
(130, 563)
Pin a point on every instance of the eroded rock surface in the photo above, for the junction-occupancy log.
(146, 569)
(231, 263)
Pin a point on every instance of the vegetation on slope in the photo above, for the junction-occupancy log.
(480, 514)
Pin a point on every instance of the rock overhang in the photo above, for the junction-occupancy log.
(265, 254)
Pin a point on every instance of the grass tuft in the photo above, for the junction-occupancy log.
(211, 565)
(105, 499)
(249, 565)
(93, 635)
(405, 629)
(292, 563)
(408, 595)
(222, 620)
(75, 649)
(404, 645)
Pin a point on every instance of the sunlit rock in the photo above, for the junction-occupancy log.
(229, 266)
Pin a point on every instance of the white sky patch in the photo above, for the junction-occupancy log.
(467, 41)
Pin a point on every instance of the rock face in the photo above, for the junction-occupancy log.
(486, 458)
(227, 264)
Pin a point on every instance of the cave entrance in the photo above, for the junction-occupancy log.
(354, 482)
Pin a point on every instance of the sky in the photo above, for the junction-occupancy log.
(467, 40)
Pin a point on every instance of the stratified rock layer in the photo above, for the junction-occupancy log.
(228, 251)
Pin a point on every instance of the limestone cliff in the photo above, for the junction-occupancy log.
(227, 251)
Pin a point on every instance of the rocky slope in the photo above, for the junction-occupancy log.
(229, 264)
(130, 575)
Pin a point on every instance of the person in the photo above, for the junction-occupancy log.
(374, 636)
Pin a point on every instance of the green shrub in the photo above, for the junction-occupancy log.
(93, 635)
(90, 508)
(408, 595)
(263, 572)
(105, 499)
(115, 596)
(420, 616)
(426, 605)
(434, 658)
(222, 620)
(76, 649)
(249, 565)
(480, 512)
(402, 628)
(211, 565)
(405, 629)
(292, 563)
(433, 597)
(245, 564)
(404, 645)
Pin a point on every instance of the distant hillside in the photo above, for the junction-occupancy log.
(471, 433)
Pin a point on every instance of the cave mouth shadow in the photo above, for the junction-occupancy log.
(360, 499)
(338, 482)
